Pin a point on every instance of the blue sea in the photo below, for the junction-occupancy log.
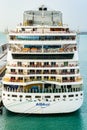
(72, 121)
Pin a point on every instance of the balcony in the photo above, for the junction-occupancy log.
(19, 49)
(40, 89)
(43, 30)
(42, 64)
(43, 72)
(46, 78)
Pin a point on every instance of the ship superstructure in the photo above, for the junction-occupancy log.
(42, 75)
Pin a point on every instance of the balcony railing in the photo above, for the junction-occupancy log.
(43, 38)
(25, 80)
(41, 31)
(51, 90)
(42, 73)
(36, 50)
(42, 90)
(42, 65)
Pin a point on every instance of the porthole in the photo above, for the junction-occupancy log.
(64, 96)
(81, 94)
(20, 96)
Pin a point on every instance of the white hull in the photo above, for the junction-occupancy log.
(44, 107)
(43, 75)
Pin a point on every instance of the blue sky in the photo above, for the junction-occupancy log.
(74, 11)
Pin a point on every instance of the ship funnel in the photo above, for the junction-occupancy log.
(42, 8)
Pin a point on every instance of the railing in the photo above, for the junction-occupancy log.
(12, 80)
(41, 73)
(44, 90)
(40, 65)
(2, 69)
(24, 50)
(41, 31)
(60, 80)
(57, 50)
(43, 38)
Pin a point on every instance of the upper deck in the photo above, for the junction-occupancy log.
(42, 22)
(43, 30)
(42, 16)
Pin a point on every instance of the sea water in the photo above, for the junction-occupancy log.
(72, 121)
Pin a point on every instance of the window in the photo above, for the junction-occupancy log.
(37, 96)
(31, 63)
(14, 95)
(27, 96)
(57, 96)
(20, 96)
(64, 96)
(53, 63)
(65, 63)
(19, 63)
(72, 70)
(20, 70)
(47, 96)
(42, 56)
(20, 78)
(46, 63)
(71, 95)
(12, 70)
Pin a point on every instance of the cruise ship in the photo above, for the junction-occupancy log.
(42, 71)
(3, 57)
